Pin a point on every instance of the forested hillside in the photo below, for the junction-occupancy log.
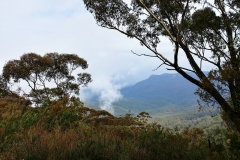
(159, 91)
(155, 92)
(169, 99)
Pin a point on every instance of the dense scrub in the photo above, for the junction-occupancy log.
(60, 132)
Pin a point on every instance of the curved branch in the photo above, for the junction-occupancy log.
(160, 21)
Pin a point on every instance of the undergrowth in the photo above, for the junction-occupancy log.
(60, 132)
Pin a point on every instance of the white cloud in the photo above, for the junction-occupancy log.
(108, 90)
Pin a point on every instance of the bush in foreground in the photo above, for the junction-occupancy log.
(57, 132)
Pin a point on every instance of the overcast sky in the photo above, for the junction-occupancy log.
(43, 26)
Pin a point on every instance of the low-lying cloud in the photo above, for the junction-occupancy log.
(107, 90)
(108, 96)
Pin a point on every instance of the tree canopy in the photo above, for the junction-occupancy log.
(49, 77)
(206, 32)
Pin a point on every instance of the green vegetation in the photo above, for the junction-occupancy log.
(61, 132)
(187, 117)
(171, 115)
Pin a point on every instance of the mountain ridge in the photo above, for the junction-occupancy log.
(155, 92)
(158, 91)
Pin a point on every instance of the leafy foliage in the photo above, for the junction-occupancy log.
(41, 71)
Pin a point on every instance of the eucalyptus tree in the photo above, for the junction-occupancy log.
(49, 77)
(202, 31)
